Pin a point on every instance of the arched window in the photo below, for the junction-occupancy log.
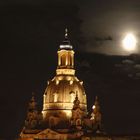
(63, 60)
(72, 96)
(55, 97)
(71, 60)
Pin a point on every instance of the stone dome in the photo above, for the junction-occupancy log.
(61, 92)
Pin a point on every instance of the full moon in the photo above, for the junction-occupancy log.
(129, 42)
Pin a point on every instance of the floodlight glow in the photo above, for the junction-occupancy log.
(65, 47)
(93, 107)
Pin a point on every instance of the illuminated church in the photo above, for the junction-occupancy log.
(64, 114)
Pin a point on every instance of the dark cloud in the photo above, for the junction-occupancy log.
(103, 39)
(137, 66)
(129, 68)
(127, 62)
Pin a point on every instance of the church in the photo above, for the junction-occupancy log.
(64, 113)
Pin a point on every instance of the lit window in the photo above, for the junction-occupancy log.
(71, 82)
(55, 97)
(93, 107)
(57, 82)
(72, 94)
(48, 82)
(81, 82)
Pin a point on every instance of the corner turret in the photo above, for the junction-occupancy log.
(96, 116)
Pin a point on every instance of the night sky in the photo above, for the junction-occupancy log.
(30, 34)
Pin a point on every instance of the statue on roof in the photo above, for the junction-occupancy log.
(33, 118)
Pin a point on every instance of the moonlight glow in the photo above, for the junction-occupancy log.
(129, 42)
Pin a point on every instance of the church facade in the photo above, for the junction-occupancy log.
(64, 114)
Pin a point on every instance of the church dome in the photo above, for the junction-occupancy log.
(62, 90)
(60, 95)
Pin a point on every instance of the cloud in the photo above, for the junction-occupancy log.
(127, 61)
(108, 38)
(137, 66)
(109, 47)
(129, 68)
